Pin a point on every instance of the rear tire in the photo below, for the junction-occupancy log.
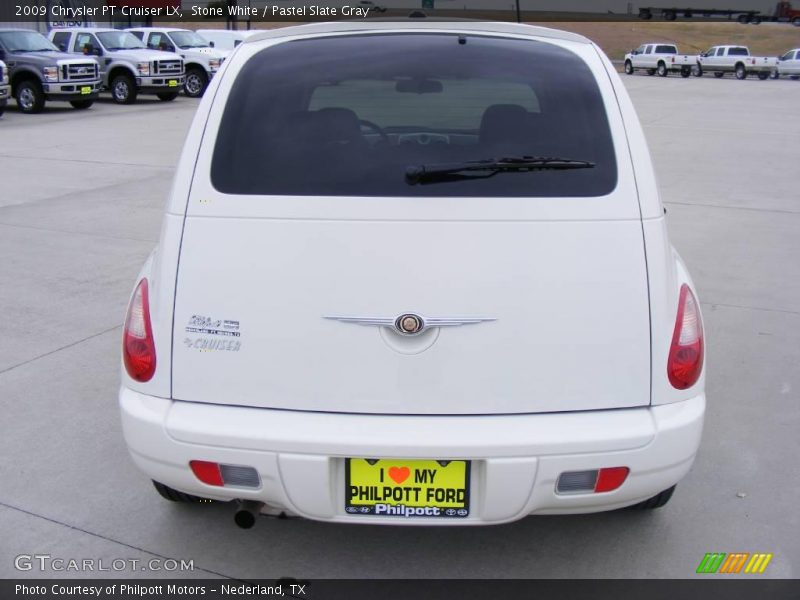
(168, 493)
(662, 70)
(123, 89)
(764, 75)
(656, 501)
(81, 104)
(741, 72)
(167, 96)
(628, 67)
(685, 72)
(30, 97)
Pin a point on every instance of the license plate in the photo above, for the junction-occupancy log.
(407, 488)
(86, 90)
(173, 83)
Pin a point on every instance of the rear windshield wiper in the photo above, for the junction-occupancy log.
(481, 169)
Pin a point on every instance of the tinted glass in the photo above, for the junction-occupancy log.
(737, 52)
(83, 41)
(61, 39)
(666, 50)
(349, 116)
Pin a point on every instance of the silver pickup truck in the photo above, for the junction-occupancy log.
(39, 72)
(127, 68)
(5, 88)
(737, 60)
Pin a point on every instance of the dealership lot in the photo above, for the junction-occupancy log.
(81, 196)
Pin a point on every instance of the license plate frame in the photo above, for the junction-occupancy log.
(368, 481)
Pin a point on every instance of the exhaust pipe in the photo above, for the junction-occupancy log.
(246, 513)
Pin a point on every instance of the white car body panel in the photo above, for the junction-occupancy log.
(516, 460)
(524, 396)
(789, 63)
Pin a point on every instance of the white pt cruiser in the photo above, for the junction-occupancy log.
(431, 287)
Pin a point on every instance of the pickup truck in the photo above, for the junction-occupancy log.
(202, 60)
(127, 68)
(39, 72)
(788, 65)
(660, 58)
(5, 88)
(737, 60)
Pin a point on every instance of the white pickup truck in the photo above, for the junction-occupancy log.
(201, 59)
(789, 65)
(660, 58)
(737, 60)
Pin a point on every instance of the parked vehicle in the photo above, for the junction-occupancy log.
(671, 13)
(39, 72)
(783, 13)
(202, 61)
(225, 39)
(737, 60)
(5, 88)
(788, 65)
(660, 58)
(127, 68)
(434, 286)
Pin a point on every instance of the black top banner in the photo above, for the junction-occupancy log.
(249, 13)
(404, 589)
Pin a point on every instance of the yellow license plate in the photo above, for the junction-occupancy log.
(407, 488)
(173, 83)
(86, 90)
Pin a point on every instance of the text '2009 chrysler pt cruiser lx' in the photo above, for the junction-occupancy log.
(430, 287)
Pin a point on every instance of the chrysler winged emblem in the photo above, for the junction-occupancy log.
(409, 323)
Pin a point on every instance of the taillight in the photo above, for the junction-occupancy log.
(685, 361)
(138, 347)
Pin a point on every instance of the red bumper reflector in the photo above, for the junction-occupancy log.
(207, 472)
(610, 479)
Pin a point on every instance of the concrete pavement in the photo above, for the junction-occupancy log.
(81, 196)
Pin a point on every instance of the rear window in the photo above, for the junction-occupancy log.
(737, 52)
(351, 115)
(666, 50)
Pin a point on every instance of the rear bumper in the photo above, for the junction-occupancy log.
(516, 459)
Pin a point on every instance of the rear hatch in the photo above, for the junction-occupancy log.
(295, 217)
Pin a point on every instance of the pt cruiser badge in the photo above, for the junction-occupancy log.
(410, 323)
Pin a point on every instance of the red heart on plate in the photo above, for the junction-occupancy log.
(399, 474)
